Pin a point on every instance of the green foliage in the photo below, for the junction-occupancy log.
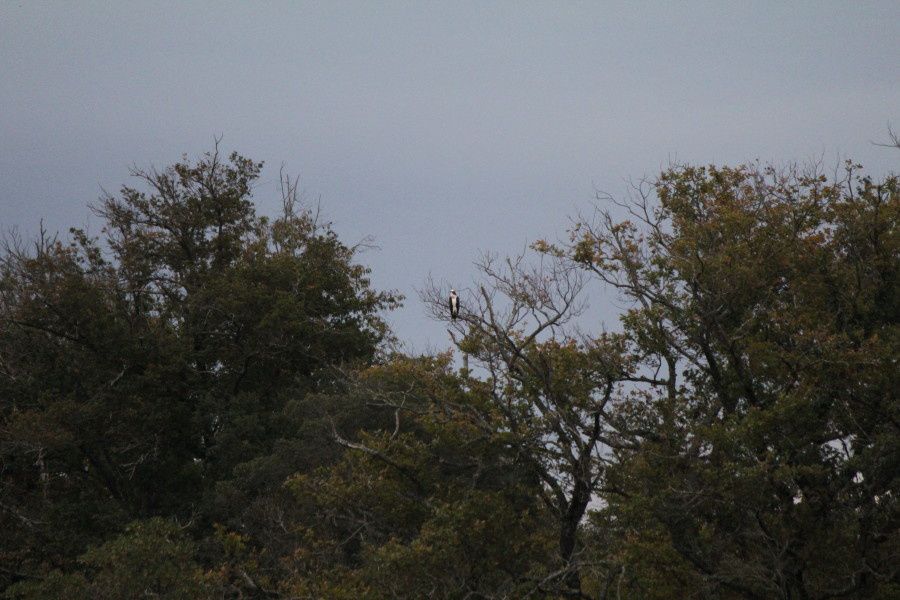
(199, 405)
(435, 504)
(764, 452)
(54, 586)
(138, 375)
(151, 558)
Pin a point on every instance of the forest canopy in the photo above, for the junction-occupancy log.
(205, 402)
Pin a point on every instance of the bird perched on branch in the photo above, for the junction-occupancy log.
(454, 305)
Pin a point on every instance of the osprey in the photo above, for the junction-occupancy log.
(454, 304)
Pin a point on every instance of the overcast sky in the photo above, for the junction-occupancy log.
(441, 129)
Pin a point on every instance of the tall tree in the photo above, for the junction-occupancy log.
(551, 389)
(137, 374)
(763, 440)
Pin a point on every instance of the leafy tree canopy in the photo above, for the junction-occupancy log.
(202, 404)
(138, 374)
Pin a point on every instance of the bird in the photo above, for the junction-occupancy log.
(454, 305)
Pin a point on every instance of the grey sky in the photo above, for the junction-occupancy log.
(441, 129)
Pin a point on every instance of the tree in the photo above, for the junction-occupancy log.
(551, 390)
(430, 502)
(201, 404)
(137, 375)
(763, 425)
